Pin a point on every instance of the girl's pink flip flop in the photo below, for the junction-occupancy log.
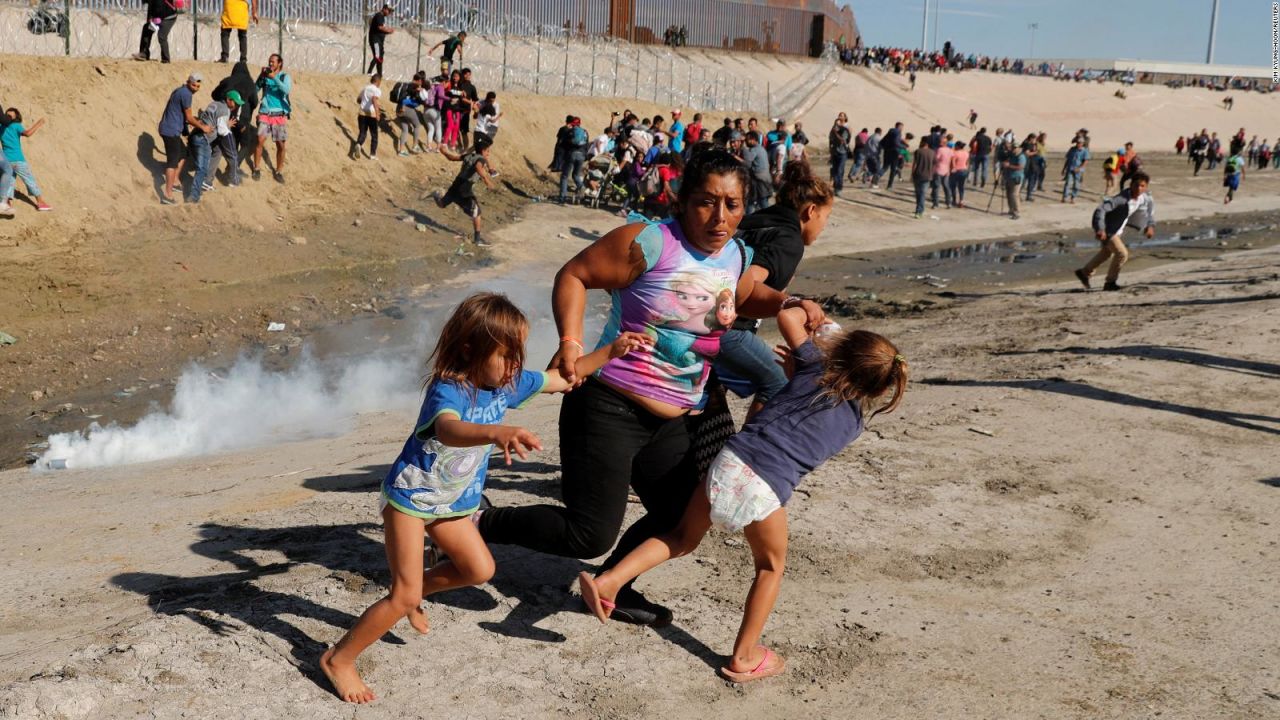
(599, 606)
(772, 664)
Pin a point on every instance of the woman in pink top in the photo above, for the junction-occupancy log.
(680, 281)
(941, 173)
(959, 173)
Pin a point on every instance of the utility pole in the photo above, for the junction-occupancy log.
(1213, 32)
(1032, 27)
(924, 28)
(937, 16)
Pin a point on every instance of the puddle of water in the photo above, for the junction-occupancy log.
(1018, 261)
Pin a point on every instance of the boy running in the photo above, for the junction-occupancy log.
(1131, 206)
(1232, 174)
(474, 163)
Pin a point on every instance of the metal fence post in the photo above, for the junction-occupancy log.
(537, 66)
(505, 22)
(656, 60)
(617, 58)
(637, 71)
(689, 101)
(422, 18)
(66, 40)
(280, 28)
(564, 88)
(364, 18)
(592, 91)
(195, 31)
(768, 100)
(671, 73)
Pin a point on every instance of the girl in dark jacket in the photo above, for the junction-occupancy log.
(778, 235)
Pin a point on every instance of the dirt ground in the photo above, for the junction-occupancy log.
(1070, 517)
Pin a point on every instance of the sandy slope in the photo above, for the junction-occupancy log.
(1152, 116)
(1070, 517)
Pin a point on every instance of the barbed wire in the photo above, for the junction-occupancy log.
(505, 53)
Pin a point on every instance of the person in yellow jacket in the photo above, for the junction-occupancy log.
(235, 16)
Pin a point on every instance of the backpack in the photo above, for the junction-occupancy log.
(399, 91)
(579, 137)
(651, 182)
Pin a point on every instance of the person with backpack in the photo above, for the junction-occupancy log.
(575, 156)
(1232, 174)
(1111, 168)
(236, 15)
(1132, 165)
(409, 99)
(894, 146)
(274, 84)
(667, 169)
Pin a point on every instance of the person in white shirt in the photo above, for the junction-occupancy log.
(488, 114)
(370, 112)
(602, 144)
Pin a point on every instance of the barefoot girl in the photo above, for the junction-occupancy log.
(478, 372)
(820, 411)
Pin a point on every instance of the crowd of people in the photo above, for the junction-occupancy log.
(637, 163)
(912, 60)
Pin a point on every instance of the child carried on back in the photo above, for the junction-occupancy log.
(836, 379)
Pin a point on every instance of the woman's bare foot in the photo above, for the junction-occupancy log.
(346, 680)
(418, 619)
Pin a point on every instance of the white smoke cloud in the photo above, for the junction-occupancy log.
(252, 406)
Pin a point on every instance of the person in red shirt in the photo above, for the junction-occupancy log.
(692, 133)
(670, 168)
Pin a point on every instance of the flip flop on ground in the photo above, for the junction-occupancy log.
(772, 664)
(599, 606)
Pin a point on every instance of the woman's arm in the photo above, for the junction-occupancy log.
(614, 261)
(588, 364)
(32, 130)
(757, 300)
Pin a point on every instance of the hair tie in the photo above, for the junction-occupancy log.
(900, 359)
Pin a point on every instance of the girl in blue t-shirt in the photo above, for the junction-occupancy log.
(834, 379)
(435, 484)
